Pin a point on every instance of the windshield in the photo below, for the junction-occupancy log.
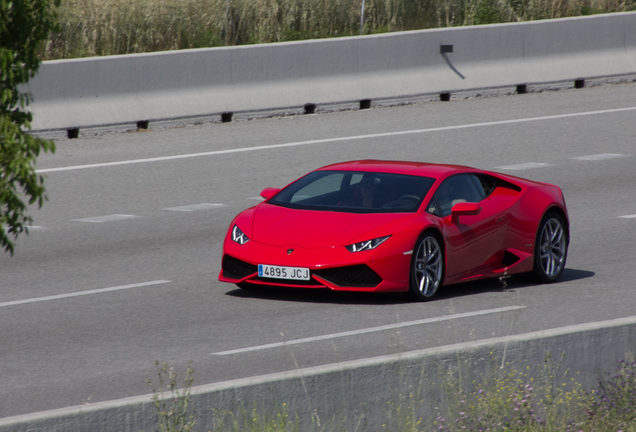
(356, 192)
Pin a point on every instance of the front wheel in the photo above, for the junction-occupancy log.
(551, 248)
(427, 268)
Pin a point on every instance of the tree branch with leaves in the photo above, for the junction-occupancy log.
(24, 28)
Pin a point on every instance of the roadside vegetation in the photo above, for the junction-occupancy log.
(544, 399)
(514, 401)
(175, 412)
(24, 26)
(108, 27)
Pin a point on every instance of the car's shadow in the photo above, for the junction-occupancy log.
(318, 295)
(347, 297)
(509, 284)
(573, 274)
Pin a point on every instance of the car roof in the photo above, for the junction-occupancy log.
(423, 169)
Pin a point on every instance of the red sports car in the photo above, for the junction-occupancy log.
(385, 226)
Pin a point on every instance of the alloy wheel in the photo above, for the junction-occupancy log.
(552, 249)
(428, 266)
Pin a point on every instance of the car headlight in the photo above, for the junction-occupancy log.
(239, 236)
(367, 244)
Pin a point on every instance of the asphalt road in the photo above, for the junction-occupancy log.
(65, 340)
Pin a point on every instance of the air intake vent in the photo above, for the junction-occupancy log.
(237, 269)
(509, 259)
(350, 276)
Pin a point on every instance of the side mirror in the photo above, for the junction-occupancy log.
(465, 209)
(269, 192)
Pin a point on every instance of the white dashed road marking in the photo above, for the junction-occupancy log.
(628, 216)
(195, 207)
(369, 330)
(597, 157)
(83, 293)
(31, 227)
(108, 218)
(524, 166)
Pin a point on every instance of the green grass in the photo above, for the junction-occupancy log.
(544, 399)
(108, 27)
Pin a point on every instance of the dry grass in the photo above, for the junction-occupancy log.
(107, 27)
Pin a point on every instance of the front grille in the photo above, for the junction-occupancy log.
(350, 276)
(236, 269)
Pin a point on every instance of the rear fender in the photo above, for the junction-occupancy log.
(526, 215)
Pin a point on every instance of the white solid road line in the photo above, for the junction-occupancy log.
(331, 140)
(628, 216)
(368, 330)
(83, 293)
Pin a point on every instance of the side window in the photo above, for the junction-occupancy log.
(488, 184)
(479, 187)
(457, 189)
(433, 207)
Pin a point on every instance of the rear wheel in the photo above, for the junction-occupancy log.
(427, 268)
(551, 248)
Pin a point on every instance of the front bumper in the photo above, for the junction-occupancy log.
(336, 268)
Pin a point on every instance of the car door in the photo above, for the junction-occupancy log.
(473, 242)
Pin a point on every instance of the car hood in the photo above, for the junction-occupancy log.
(279, 226)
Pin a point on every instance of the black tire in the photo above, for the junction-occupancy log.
(550, 248)
(427, 268)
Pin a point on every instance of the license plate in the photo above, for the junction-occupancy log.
(280, 272)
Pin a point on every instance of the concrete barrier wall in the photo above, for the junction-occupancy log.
(283, 77)
(359, 394)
